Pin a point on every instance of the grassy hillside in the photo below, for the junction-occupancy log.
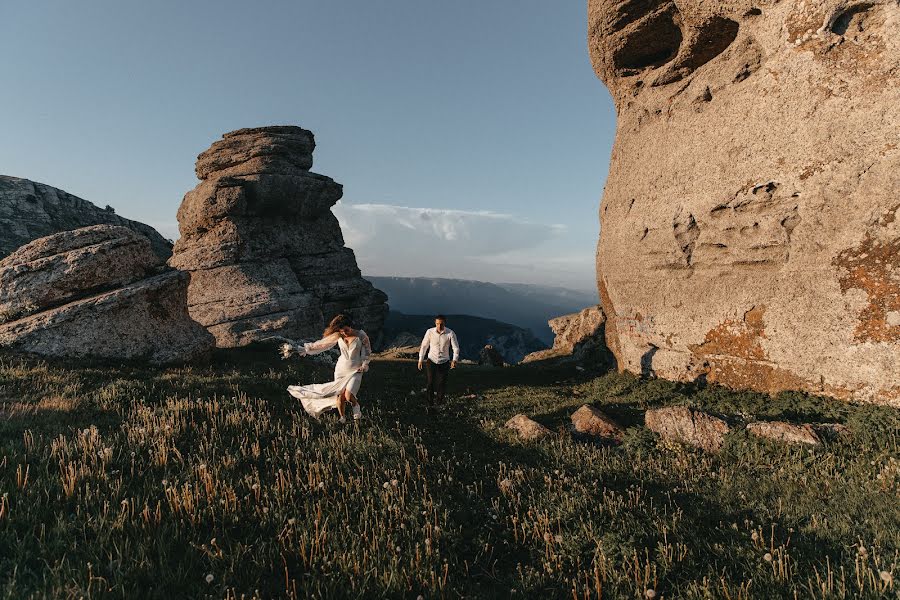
(211, 482)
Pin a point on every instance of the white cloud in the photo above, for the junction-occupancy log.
(483, 245)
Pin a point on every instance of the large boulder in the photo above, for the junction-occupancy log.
(749, 228)
(265, 253)
(97, 292)
(579, 336)
(687, 426)
(30, 210)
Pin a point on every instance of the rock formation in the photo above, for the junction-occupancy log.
(265, 253)
(579, 336)
(98, 292)
(489, 357)
(751, 222)
(688, 426)
(31, 210)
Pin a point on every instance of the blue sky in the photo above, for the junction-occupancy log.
(472, 137)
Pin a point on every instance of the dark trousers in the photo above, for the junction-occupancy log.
(437, 381)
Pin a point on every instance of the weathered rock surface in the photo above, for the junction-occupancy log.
(688, 426)
(750, 230)
(98, 292)
(265, 253)
(527, 429)
(591, 422)
(31, 210)
(785, 432)
(578, 336)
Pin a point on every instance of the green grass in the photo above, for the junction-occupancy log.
(122, 482)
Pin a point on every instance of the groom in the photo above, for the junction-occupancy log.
(436, 346)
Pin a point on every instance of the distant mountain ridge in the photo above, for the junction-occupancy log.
(30, 210)
(512, 342)
(525, 305)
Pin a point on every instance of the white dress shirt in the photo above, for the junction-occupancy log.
(437, 346)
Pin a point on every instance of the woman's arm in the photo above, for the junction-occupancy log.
(320, 346)
(366, 353)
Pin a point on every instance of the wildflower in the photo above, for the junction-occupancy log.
(397, 548)
(547, 537)
(754, 536)
(886, 577)
(649, 593)
(558, 539)
(767, 557)
(427, 542)
(394, 482)
(862, 551)
(209, 578)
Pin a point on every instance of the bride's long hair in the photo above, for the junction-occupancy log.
(337, 323)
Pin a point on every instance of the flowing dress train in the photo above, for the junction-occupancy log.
(318, 398)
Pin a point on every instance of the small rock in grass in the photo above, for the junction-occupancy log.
(831, 431)
(785, 432)
(589, 421)
(528, 429)
(688, 426)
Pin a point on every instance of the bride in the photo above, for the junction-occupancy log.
(356, 351)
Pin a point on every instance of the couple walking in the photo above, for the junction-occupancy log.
(356, 353)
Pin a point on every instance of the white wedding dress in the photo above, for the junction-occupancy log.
(319, 398)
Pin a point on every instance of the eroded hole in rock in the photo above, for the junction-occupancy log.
(686, 233)
(852, 20)
(753, 12)
(711, 40)
(630, 11)
(651, 45)
(714, 38)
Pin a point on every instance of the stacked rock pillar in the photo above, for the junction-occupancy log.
(265, 253)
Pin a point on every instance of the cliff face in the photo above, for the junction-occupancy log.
(265, 253)
(750, 230)
(31, 210)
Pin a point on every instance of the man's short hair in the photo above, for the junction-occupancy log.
(440, 318)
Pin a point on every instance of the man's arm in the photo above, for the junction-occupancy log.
(423, 348)
(454, 343)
